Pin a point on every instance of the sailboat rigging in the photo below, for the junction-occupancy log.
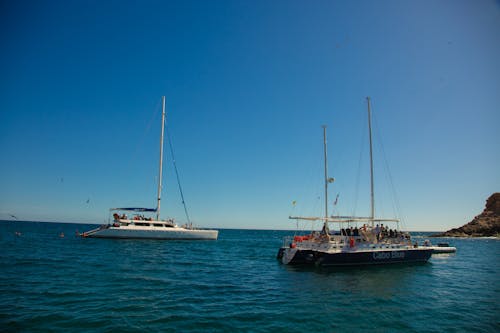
(143, 227)
(372, 243)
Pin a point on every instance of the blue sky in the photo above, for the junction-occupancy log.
(248, 86)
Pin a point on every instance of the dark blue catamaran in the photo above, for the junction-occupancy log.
(358, 241)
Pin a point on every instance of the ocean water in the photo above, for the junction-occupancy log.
(235, 284)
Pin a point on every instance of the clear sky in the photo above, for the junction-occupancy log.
(248, 86)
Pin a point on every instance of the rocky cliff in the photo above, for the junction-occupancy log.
(484, 225)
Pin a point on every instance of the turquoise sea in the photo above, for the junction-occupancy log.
(69, 284)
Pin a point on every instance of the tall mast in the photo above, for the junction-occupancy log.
(161, 156)
(372, 202)
(326, 172)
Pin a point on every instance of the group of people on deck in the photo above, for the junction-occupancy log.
(142, 218)
(377, 233)
(124, 216)
(117, 217)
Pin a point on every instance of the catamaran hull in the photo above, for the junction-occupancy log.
(443, 249)
(169, 234)
(293, 256)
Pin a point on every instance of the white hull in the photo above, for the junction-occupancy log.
(442, 249)
(140, 232)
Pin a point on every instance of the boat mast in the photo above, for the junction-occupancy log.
(372, 202)
(326, 175)
(161, 156)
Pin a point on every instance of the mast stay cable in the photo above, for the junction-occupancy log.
(177, 175)
(395, 198)
(358, 174)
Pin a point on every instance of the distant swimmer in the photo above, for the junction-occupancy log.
(61, 235)
(17, 233)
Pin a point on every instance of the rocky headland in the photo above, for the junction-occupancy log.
(486, 224)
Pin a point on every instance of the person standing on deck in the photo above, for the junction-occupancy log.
(377, 232)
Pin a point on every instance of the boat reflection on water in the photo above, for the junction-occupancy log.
(380, 281)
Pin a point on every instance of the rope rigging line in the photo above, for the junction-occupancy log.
(358, 174)
(153, 119)
(395, 200)
(132, 162)
(177, 174)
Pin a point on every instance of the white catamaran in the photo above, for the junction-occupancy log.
(143, 227)
(358, 241)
